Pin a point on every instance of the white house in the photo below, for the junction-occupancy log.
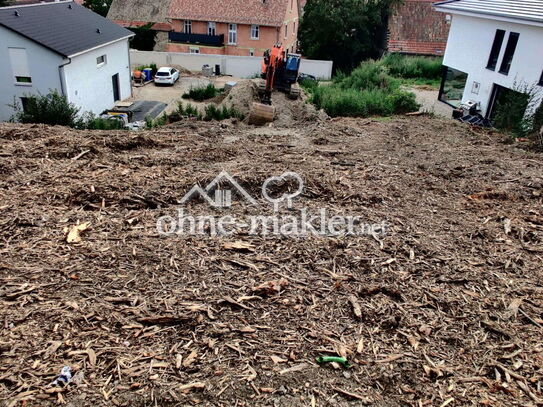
(66, 47)
(494, 46)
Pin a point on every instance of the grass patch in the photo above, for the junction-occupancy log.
(201, 93)
(413, 67)
(368, 90)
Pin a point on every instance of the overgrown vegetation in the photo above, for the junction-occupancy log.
(201, 93)
(515, 111)
(213, 112)
(345, 31)
(145, 38)
(55, 110)
(189, 111)
(98, 6)
(413, 67)
(368, 90)
(92, 122)
(5, 3)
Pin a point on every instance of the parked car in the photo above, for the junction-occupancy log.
(304, 76)
(166, 76)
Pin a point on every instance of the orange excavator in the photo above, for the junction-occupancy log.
(280, 72)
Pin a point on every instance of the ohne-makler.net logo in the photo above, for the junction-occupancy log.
(296, 223)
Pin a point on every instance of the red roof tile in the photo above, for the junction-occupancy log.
(136, 24)
(268, 12)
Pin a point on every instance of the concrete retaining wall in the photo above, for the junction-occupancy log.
(238, 66)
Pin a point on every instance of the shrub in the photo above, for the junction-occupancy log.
(201, 93)
(151, 123)
(512, 111)
(309, 85)
(369, 75)
(415, 67)
(53, 109)
(367, 91)
(213, 112)
(98, 123)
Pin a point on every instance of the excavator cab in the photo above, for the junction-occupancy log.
(292, 68)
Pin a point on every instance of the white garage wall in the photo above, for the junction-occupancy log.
(90, 87)
(239, 66)
(42, 67)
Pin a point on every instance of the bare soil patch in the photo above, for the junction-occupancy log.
(446, 310)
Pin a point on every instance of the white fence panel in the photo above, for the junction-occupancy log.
(238, 66)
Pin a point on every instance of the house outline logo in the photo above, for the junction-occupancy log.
(222, 197)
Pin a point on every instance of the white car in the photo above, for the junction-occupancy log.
(166, 76)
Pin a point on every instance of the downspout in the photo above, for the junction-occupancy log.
(62, 76)
(129, 67)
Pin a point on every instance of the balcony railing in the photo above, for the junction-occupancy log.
(201, 39)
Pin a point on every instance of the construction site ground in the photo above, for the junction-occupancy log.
(446, 309)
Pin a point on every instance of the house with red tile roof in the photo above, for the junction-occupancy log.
(416, 28)
(234, 27)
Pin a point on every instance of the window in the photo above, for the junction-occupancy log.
(495, 51)
(187, 27)
(251, 52)
(286, 30)
(194, 50)
(452, 86)
(232, 34)
(509, 53)
(101, 61)
(291, 3)
(211, 28)
(255, 32)
(19, 66)
(23, 79)
(294, 28)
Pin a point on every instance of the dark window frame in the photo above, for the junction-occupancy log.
(509, 54)
(23, 80)
(495, 50)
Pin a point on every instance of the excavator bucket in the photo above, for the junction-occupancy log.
(261, 114)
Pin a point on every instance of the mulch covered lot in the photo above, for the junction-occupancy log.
(445, 310)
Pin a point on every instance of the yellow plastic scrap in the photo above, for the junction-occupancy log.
(74, 234)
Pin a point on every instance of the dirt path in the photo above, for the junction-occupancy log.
(446, 309)
(428, 98)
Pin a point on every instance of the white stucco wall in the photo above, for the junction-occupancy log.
(43, 66)
(238, 66)
(468, 49)
(89, 86)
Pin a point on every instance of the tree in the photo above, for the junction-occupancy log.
(5, 3)
(345, 31)
(98, 6)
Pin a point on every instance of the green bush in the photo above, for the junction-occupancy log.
(369, 75)
(187, 111)
(98, 123)
(413, 67)
(510, 112)
(213, 112)
(52, 109)
(309, 85)
(201, 93)
(367, 91)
